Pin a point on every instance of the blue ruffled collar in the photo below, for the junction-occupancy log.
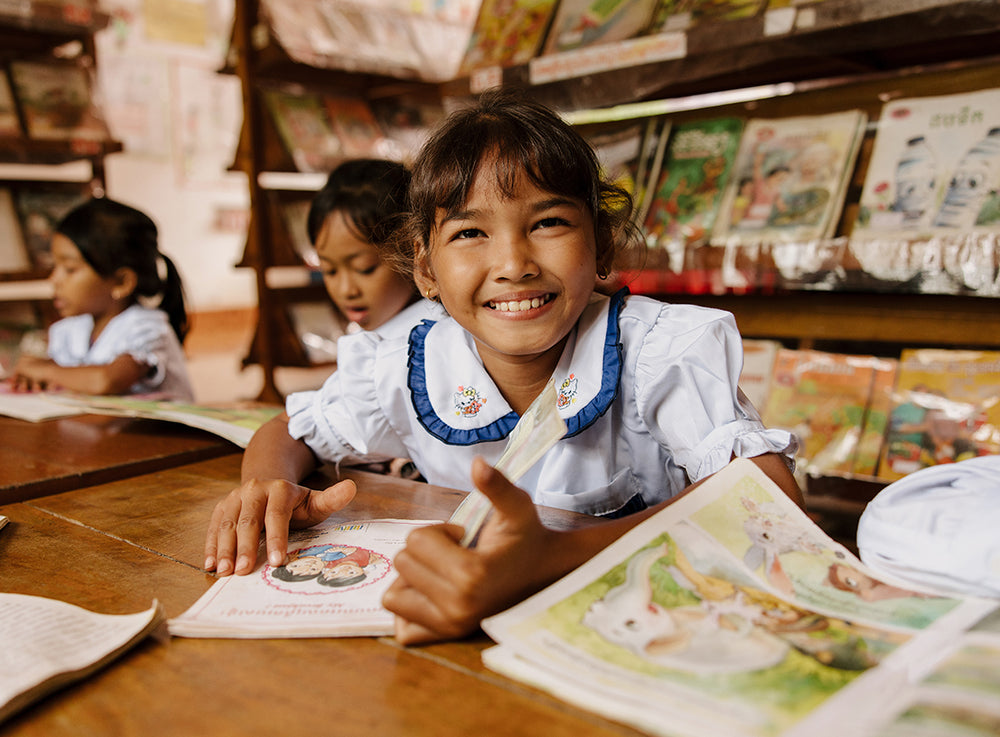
(456, 400)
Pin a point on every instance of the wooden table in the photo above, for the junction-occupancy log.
(38, 458)
(117, 546)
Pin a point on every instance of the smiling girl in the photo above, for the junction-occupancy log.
(511, 227)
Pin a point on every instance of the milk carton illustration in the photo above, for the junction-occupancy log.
(975, 176)
(916, 180)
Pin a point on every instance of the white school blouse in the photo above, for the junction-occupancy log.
(141, 332)
(648, 391)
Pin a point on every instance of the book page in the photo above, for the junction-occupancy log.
(49, 643)
(728, 612)
(33, 406)
(330, 586)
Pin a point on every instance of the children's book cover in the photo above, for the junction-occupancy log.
(790, 177)
(876, 422)
(13, 251)
(758, 369)
(355, 125)
(507, 33)
(822, 398)
(728, 613)
(680, 15)
(695, 168)
(303, 122)
(331, 585)
(945, 408)
(9, 123)
(934, 168)
(581, 23)
(56, 101)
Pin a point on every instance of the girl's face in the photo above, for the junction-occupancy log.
(365, 289)
(516, 273)
(77, 288)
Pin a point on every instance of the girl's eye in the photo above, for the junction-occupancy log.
(368, 270)
(551, 222)
(467, 233)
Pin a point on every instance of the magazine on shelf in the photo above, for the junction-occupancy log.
(507, 33)
(695, 169)
(355, 125)
(56, 101)
(49, 644)
(758, 369)
(945, 408)
(303, 123)
(581, 23)
(731, 613)
(934, 168)
(295, 217)
(10, 125)
(790, 178)
(823, 399)
(680, 15)
(13, 250)
(331, 585)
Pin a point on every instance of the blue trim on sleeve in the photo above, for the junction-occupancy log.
(417, 382)
(611, 371)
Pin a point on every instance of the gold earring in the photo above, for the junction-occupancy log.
(603, 273)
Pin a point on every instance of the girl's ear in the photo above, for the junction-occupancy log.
(423, 275)
(124, 281)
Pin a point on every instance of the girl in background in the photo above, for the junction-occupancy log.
(122, 307)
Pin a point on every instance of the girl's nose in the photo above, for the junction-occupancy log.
(515, 258)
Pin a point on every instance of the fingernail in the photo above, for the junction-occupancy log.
(224, 568)
(275, 558)
(242, 564)
(209, 563)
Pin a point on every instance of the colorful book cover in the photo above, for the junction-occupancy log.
(946, 408)
(9, 123)
(581, 23)
(680, 15)
(303, 123)
(790, 178)
(758, 368)
(355, 125)
(696, 166)
(507, 33)
(876, 421)
(13, 251)
(56, 101)
(821, 398)
(934, 168)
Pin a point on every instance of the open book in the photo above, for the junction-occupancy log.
(48, 644)
(234, 423)
(330, 586)
(730, 612)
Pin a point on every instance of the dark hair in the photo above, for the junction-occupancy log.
(283, 574)
(340, 582)
(517, 136)
(111, 236)
(371, 193)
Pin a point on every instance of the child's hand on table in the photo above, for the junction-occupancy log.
(274, 504)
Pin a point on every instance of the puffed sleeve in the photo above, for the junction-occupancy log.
(686, 387)
(345, 420)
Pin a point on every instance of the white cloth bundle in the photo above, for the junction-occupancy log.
(938, 527)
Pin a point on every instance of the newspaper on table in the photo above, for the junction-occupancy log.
(536, 432)
(731, 613)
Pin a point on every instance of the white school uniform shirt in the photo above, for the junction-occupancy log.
(141, 332)
(648, 391)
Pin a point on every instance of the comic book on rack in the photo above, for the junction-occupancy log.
(680, 15)
(790, 178)
(304, 126)
(694, 172)
(731, 613)
(56, 101)
(581, 23)
(507, 33)
(9, 123)
(945, 408)
(331, 585)
(934, 168)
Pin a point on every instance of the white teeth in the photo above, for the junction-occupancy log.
(518, 306)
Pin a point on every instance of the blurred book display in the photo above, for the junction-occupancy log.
(9, 123)
(581, 23)
(56, 101)
(507, 32)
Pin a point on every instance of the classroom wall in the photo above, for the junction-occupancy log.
(179, 121)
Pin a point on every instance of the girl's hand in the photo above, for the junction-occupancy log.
(274, 504)
(31, 373)
(443, 590)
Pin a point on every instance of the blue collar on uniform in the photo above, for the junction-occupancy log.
(500, 427)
